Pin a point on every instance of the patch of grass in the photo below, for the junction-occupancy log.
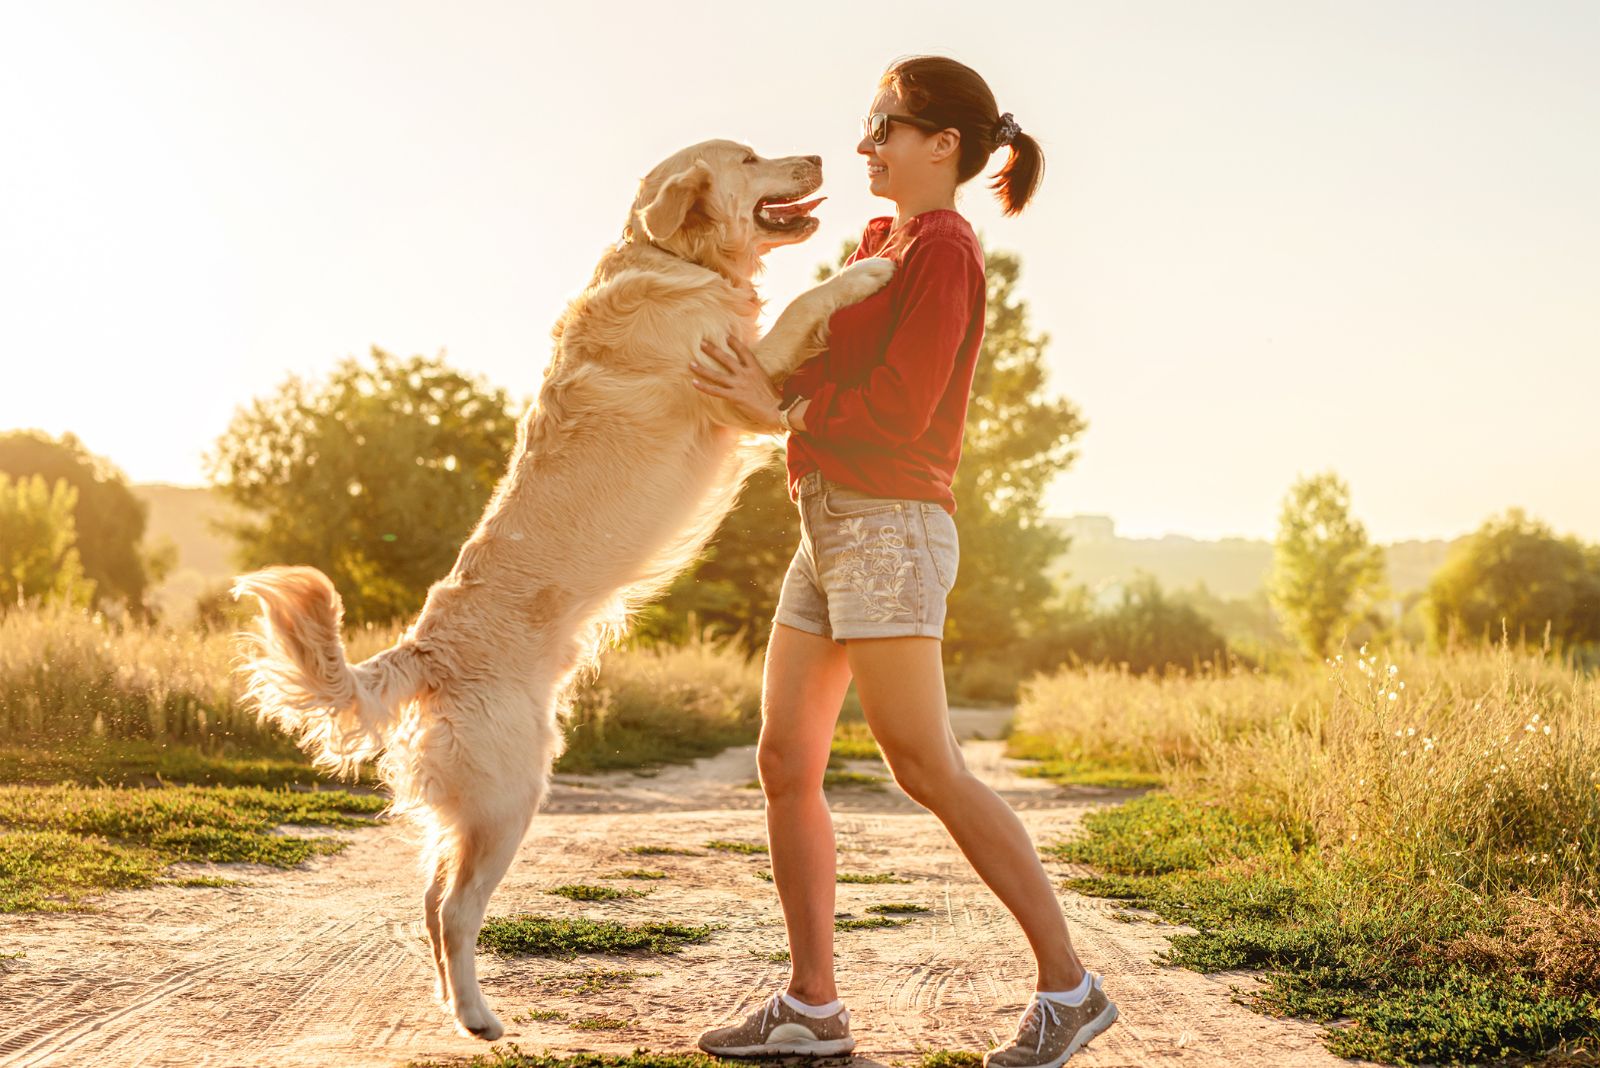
(634, 873)
(879, 877)
(538, 1015)
(853, 778)
(871, 924)
(662, 851)
(727, 846)
(594, 980)
(62, 843)
(138, 762)
(205, 881)
(50, 870)
(551, 936)
(949, 1058)
(588, 892)
(854, 741)
(777, 956)
(1424, 974)
(897, 906)
(600, 1023)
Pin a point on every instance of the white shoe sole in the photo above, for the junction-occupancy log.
(820, 1048)
(1086, 1034)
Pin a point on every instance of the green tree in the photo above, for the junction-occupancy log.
(108, 518)
(1016, 441)
(375, 476)
(1147, 631)
(38, 553)
(1325, 575)
(1514, 570)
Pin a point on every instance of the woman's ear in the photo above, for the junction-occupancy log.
(946, 142)
(680, 203)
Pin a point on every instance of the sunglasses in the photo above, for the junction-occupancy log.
(876, 125)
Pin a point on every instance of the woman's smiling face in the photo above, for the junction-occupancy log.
(896, 166)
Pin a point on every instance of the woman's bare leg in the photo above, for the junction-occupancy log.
(803, 687)
(901, 685)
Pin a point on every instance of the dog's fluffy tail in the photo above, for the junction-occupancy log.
(297, 676)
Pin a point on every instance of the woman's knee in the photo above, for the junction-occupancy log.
(930, 779)
(786, 773)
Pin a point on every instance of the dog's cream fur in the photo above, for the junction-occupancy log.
(621, 472)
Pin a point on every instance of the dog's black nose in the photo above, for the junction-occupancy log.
(814, 159)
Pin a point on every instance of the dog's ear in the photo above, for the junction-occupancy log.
(680, 203)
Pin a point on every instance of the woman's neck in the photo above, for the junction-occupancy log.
(906, 210)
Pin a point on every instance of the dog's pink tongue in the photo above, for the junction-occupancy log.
(784, 211)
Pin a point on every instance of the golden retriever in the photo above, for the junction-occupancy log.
(622, 471)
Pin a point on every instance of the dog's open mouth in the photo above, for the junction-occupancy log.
(786, 213)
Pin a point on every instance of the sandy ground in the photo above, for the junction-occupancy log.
(327, 965)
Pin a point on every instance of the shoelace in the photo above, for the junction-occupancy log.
(1034, 1006)
(772, 1006)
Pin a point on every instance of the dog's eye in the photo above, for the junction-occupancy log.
(751, 159)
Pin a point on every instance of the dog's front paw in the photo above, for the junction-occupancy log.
(863, 278)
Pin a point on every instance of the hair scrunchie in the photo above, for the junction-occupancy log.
(1006, 130)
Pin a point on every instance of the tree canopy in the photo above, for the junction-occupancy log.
(375, 475)
(1514, 570)
(38, 543)
(1325, 574)
(108, 520)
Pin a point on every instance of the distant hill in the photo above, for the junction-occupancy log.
(1229, 567)
(185, 515)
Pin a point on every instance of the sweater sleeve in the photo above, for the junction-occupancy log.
(896, 402)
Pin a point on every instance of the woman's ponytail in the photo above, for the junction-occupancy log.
(1016, 182)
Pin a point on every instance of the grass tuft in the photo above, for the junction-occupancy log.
(587, 892)
(870, 924)
(550, 936)
(726, 846)
(662, 851)
(879, 877)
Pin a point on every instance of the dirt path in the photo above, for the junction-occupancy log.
(327, 965)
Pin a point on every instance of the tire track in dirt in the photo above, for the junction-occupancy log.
(328, 965)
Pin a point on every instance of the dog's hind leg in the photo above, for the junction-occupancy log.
(484, 843)
(432, 898)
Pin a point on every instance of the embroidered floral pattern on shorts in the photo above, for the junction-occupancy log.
(874, 562)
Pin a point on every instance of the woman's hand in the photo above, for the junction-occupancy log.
(738, 379)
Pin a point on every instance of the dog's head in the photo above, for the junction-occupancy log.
(721, 205)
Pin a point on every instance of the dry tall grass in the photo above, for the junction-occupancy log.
(1476, 766)
(66, 676)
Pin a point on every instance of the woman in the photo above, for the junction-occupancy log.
(875, 426)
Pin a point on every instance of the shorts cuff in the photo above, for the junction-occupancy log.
(920, 630)
(810, 626)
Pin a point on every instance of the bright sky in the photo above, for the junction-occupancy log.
(1272, 238)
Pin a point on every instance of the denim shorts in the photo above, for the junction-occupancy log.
(868, 567)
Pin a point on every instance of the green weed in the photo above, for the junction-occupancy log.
(550, 936)
(726, 846)
(586, 892)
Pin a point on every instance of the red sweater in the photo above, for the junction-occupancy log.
(889, 396)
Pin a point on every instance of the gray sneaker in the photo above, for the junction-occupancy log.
(1049, 1032)
(779, 1028)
